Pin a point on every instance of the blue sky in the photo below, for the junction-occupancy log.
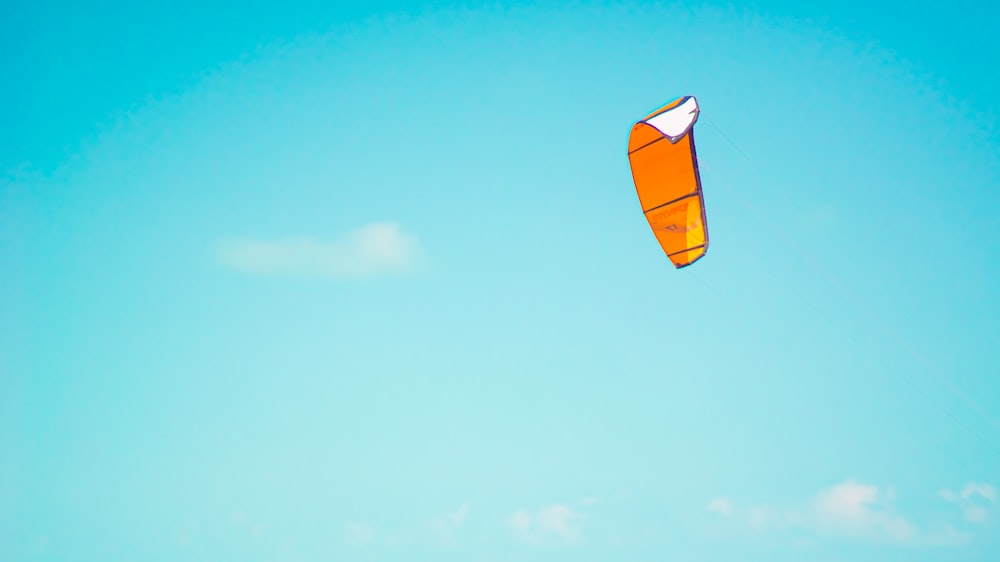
(299, 283)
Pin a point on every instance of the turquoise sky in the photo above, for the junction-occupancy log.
(287, 282)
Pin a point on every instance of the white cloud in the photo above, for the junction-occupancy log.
(241, 520)
(859, 510)
(375, 249)
(976, 514)
(458, 516)
(973, 500)
(720, 505)
(359, 534)
(445, 527)
(550, 523)
(983, 490)
(238, 518)
(520, 521)
(847, 511)
(947, 495)
(759, 517)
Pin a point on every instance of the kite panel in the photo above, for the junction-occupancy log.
(665, 170)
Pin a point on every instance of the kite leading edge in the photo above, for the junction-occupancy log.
(665, 171)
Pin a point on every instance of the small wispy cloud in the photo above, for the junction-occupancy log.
(975, 499)
(457, 517)
(445, 527)
(549, 523)
(860, 511)
(983, 490)
(720, 505)
(359, 534)
(375, 249)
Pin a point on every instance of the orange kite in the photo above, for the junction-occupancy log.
(665, 170)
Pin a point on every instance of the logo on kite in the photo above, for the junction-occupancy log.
(682, 227)
(679, 217)
(665, 171)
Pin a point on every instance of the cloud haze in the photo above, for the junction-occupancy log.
(373, 250)
(550, 523)
(851, 511)
(975, 499)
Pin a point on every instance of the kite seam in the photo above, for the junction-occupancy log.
(672, 201)
(688, 250)
(662, 137)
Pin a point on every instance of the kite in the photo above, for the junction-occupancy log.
(665, 171)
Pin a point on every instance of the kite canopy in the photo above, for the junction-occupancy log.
(665, 170)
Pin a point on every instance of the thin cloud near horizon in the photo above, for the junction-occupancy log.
(377, 249)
